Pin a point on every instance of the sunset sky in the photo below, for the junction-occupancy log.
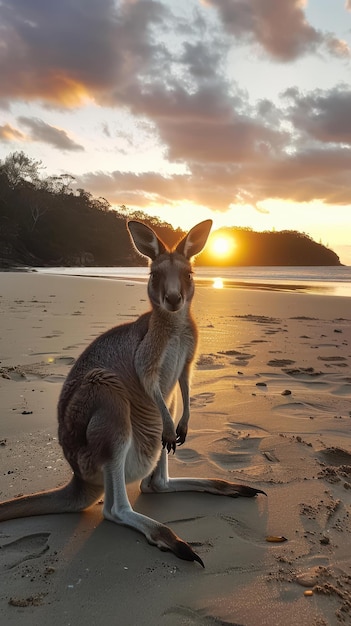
(239, 110)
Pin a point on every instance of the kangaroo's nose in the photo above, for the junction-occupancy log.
(173, 298)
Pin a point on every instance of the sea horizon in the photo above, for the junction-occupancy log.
(322, 280)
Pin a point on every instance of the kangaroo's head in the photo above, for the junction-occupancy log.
(170, 284)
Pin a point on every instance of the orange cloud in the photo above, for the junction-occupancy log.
(8, 133)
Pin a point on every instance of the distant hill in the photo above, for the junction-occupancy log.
(43, 222)
(271, 249)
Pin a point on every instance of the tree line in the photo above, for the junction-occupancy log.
(45, 222)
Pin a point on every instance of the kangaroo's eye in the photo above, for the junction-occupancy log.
(155, 277)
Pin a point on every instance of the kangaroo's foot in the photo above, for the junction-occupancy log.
(243, 491)
(158, 484)
(117, 509)
(157, 534)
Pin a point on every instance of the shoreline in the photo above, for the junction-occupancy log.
(270, 407)
(278, 281)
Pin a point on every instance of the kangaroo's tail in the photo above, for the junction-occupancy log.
(76, 496)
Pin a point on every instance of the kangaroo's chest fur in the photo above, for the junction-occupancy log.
(143, 355)
(173, 360)
(167, 347)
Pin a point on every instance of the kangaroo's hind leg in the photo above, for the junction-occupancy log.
(160, 482)
(110, 429)
(118, 509)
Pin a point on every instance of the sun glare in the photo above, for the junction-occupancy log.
(217, 283)
(221, 246)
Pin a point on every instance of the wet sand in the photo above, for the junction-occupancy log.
(270, 408)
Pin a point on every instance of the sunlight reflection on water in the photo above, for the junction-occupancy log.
(217, 283)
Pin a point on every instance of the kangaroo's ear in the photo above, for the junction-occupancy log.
(195, 240)
(145, 240)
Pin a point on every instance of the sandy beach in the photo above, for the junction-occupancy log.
(270, 408)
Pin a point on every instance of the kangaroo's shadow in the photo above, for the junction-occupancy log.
(99, 565)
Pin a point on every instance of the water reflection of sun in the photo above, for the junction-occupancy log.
(218, 283)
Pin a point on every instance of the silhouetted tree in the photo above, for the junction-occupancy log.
(18, 167)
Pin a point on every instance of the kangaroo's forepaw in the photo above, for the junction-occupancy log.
(169, 445)
(181, 433)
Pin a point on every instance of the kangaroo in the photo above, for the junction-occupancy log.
(115, 410)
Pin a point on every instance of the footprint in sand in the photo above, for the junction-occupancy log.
(230, 460)
(302, 372)
(36, 371)
(210, 362)
(321, 518)
(23, 549)
(193, 617)
(12, 373)
(304, 318)
(245, 430)
(241, 358)
(242, 530)
(60, 360)
(258, 319)
(200, 400)
(64, 360)
(342, 390)
(237, 447)
(55, 378)
(334, 360)
(335, 456)
(259, 341)
(280, 362)
(188, 455)
(299, 410)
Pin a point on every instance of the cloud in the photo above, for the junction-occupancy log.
(149, 187)
(121, 55)
(105, 129)
(73, 51)
(40, 131)
(280, 28)
(322, 115)
(8, 134)
(311, 174)
(209, 125)
(302, 177)
(65, 52)
(337, 47)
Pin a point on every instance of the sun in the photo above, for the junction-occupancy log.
(221, 246)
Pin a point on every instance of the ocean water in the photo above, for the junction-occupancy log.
(334, 281)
